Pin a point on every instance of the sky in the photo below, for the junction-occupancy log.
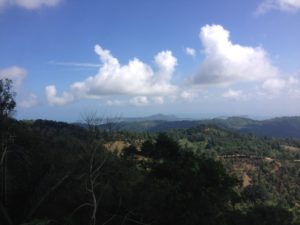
(197, 59)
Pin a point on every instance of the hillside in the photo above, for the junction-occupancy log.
(282, 127)
(62, 172)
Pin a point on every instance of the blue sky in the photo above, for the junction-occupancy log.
(135, 57)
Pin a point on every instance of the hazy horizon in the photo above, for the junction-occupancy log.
(121, 117)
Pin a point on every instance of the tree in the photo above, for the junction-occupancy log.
(147, 148)
(130, 151)
(184, 188)
(166, 148)
(93, 160)
(268, 215)
(7, 106)
(7, 101)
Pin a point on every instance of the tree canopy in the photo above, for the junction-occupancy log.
(7, 98)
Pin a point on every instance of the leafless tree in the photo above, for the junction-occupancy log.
(93, 164)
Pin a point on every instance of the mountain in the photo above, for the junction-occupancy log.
(281, 127)
(157, 125)
(156, 117)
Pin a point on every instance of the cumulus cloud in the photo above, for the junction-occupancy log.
(30, 101)
(29, 4)
(133, 79)
(166, 63)
(276, 85)
(233, 94)
(283, 5)
(140, 101)
(53, 99)
(190, 52)
(14, 73)
(227, 63)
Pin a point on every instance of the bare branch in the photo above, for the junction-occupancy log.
(5, 214)
(46, 195)
(114, 215)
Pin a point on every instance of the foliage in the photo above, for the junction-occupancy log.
(7, 95)
(59, 173)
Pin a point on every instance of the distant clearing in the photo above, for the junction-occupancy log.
(291, 148)
(116, 146)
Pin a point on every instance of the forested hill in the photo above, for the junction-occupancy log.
(59, 173)
(281, 127)
(277, 127)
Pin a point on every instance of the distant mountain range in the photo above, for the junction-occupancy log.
(159, 116)
(281, 127)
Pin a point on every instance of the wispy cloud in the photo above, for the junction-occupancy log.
(29, 101)
(233, 94)
(17, 75)
(190, 52)
(276, 85)
(14, 73)
(75, 64)
(282, 5)
(29, 4)
(115, 102)
(139, 101)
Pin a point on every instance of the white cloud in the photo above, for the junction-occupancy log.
(226, 63)
(137, 101)
(53, 99)
(75, 64)
(134, 79)
(188, 95)
(17, 75)
(3, 2)
(166, 62)
(30, 101)
(140, 101)
(283, 5)
(276, 85)
(294, 93)
(233, 94)
(14, 73)
(158, 100)
(29, 4)
(190, 52)
(114, 102)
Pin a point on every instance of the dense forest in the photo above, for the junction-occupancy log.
(60, 173)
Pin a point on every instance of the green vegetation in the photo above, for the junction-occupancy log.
(282, 127)
(59, 173)
(7, 102)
